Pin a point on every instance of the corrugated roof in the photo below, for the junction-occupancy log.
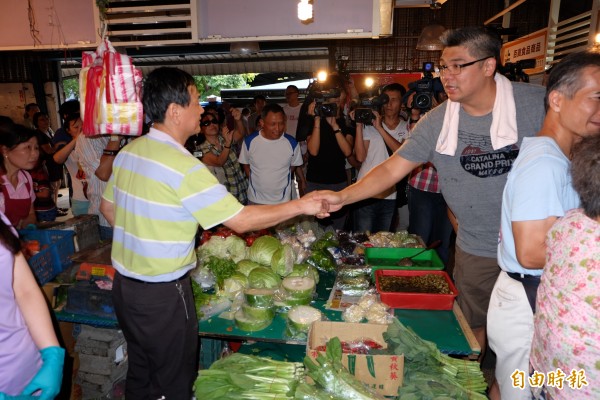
(296, 60)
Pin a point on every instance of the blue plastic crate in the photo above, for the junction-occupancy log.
(54, 258)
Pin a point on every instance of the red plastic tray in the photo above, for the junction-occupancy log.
(420, 301)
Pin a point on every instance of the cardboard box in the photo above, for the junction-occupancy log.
(381, 373)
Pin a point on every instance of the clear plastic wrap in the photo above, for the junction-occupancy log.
(368, 307)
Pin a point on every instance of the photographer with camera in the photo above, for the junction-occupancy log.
(329, 139)
(377, 137)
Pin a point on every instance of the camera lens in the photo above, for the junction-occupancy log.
(422, 101)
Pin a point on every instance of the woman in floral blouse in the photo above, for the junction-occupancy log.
(566, 343)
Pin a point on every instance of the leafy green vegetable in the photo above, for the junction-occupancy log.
(282, 261)
(423, 363)
(234, 285)
(236, 247)
(305, 270)
(325, 241)
(331, 375)
(322, 260)
(221, 268)
(262, 249)
(245, 266)
(201, 298)
(263, 277)
(304, 391)
(241, 376)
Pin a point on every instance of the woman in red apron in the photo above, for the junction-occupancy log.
(20, 152)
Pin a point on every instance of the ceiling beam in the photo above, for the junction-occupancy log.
(506, 10)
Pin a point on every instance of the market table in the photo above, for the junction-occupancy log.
(446, 328)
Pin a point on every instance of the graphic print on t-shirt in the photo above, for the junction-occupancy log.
(481, 160)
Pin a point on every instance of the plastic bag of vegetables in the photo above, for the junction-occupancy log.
(299, 319)
(329, 374)
(282, 261)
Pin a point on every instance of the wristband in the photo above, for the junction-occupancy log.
(227, 147)
(338, 130)
(110, 152)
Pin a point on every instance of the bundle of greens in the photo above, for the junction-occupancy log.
(430, 374)
(331, 376)
(241, 376)
(222, 268)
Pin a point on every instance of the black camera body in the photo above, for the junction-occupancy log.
(514, 71)
(319, 94)
(364, 111)
(423, 88)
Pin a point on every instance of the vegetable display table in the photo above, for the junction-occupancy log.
(443, 327)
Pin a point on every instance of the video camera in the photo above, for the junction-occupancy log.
(319, 94)
(514, 71)
(423, 88)
(364, 111)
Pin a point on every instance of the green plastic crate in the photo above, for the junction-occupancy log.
(388, 257)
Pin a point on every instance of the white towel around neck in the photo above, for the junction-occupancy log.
(503, 130)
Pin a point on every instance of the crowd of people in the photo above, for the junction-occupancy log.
(513, 167)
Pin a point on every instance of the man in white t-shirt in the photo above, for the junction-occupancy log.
(292, 109)
(371, 148)
(269, 158)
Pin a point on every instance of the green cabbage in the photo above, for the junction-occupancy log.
(245, 266)
(262, 249)
(305, 270)
(282, 261)
(234, 285)
(232, 247)
(236, 247)
(263, 278)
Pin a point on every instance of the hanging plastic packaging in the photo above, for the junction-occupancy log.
(110, 93)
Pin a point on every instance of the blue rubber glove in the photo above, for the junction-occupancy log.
(4, 396)
(49, 377)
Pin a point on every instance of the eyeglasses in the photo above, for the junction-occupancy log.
(208, 122)
(456, 69)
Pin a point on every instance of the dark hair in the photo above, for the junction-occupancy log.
(69, 107)
(6, 122)
(259, 97)
(36, 118)
(394, 87)
(30, 106)
(70, 118)
(293, 87)
(8, 238)
(479, 41)
(565, 76)
(163, 87)
(12, 136)
(585, 172)
(272, 108)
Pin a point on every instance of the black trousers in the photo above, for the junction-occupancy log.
(161, 329)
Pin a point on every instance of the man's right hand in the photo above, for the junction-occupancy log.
(312, 205)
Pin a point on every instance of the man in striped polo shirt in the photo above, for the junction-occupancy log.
(157, 196)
